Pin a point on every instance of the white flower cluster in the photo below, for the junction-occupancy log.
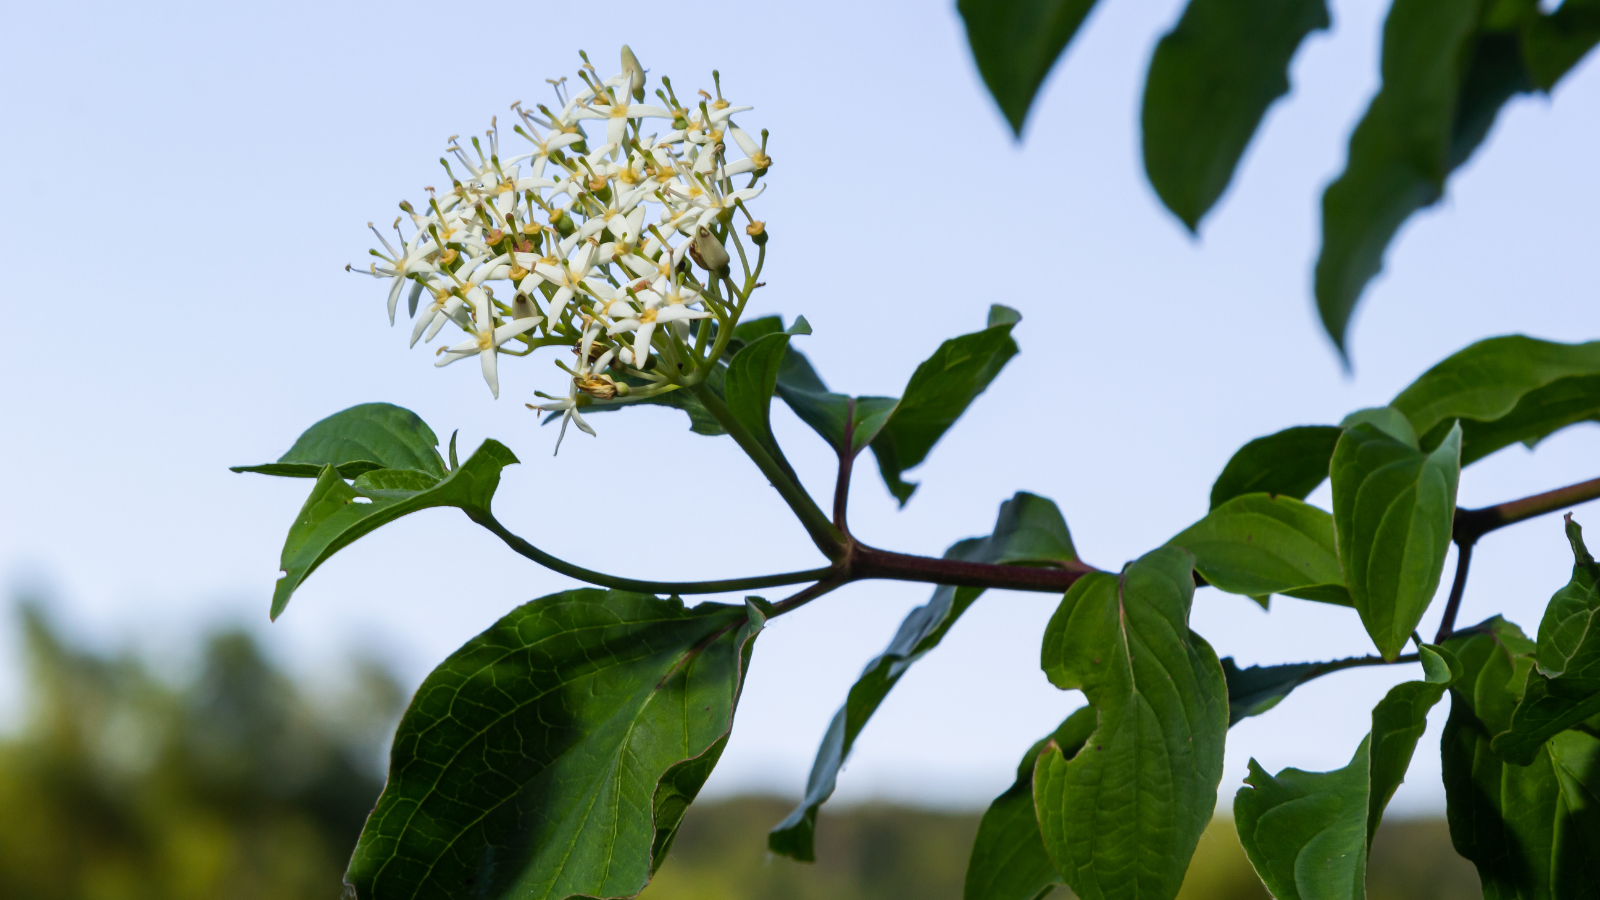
(567, 223)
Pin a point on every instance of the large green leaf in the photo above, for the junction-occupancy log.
(360, 439)
(1008, 859)
(1533, 831)
(1291, 463)
(1564, 690)
(1308, 833)
(1504, 390)
(1016, 42)
(939, 391)
(1211, 80)
(1399, 153)
(1259, 544)
(1121, 817)
(751, 378)
(1029, 530)
(553, 755)
(1449, 66)
(337, 512)
(1393, 507)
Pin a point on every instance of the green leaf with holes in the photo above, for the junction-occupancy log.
(1029, 531)
(339, 512)
(360, 439)
(1016, 42)
(554, 754)
(1393, 508)
(1211, 80)
(1121, 817)
(1259, 544)
(1308, 833)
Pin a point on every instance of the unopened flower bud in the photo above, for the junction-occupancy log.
(522, 307)
(707, 252)
(757, 232)
(635, 73)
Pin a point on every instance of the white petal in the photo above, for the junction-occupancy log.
(511, 329)
(423, 321)
(641, 342)
(718, 115)
(490, 374)
(745, 142)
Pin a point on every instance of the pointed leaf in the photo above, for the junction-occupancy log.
(940, 390)
(553, 755)
(1393, 507)
(1533, 831)
(751, 378)
(1211, 80)
(1308, 833)
(1552, 44)
(337, 513)
(1257, 689)
(1016, 42)
(1386, 419)
(1122, 816)
(1564, 690)
(1399, 153)
(1030, 529)
(1504, 390)
(1008, 860)
(360, 439)
(1258, 544)
(1292, 463)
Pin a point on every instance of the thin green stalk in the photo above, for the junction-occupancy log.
(828, 539)
(557, 564)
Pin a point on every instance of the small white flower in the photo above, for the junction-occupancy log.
(486, 342)
(568, 407)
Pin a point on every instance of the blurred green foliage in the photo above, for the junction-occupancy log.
(884, 852)
(238, 784)
(242, 784)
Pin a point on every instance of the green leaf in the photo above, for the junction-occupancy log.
(1122, 816)
(553, 755)
(1552, 44)
(1386, 419)
(1258, 544)
(337, 513)
(1564, 690)
(1211, 80)
(1533, 831)
(1257, 689)
(1504, 390)
(1016, 42)
(1008, 860)
(1308, 833)
(1292, 463)
(360, 439)
(939, 391)
(1393, 507)
(1399, 153)
(751, 378)
(1029, 530)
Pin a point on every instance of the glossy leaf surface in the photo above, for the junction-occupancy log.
(1029, 530)
(1008, 860)
(1532, 831)
(939, 391)
(1308, 833)
(1257, 689)
(1258, 544)
(1564, 688)
(360, 439)
(1290, 463)
(337, 513)
(553, 755)
(1211, 80)
(1393, 508)
(751, 378)
(1016, 42)
(1504, 390)
(1121, 817)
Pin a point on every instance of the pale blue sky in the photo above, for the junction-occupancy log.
(189, 181)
